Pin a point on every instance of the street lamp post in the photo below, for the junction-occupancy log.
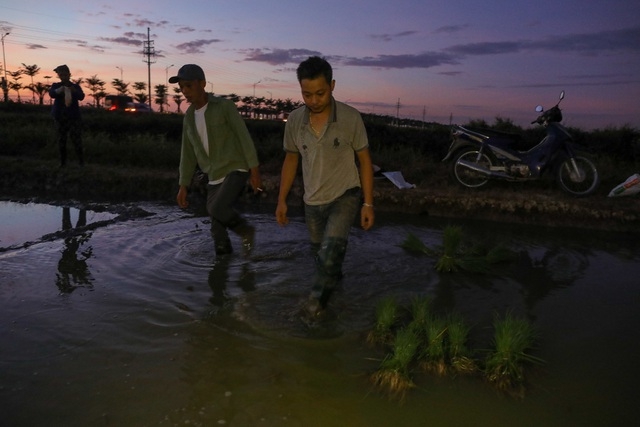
(121, 72)
(166, 73)
(4, 64)
(254, 87)
(166, 90)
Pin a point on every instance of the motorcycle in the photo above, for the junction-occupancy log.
(478, 156)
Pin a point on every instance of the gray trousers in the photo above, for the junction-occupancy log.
(220, 200)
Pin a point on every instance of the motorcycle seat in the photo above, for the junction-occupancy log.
(513, 141)
(498, 135)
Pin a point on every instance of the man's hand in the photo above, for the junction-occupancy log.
(181, 198)
(367, 217)
(281, 213)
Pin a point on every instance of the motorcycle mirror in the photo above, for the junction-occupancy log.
(539, 109)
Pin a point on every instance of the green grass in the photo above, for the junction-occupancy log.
(28, 131)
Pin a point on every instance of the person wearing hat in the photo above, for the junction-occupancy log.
(216, 139)
(66, 113)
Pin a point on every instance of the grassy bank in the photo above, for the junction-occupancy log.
(133, 158)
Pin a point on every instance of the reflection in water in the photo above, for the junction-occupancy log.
(197, 342)
(557, 268)
(219, 278)
(73, 271)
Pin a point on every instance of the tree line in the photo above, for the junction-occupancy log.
(249, 106)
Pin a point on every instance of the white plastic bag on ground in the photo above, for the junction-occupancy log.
(630, 187)
(398, 180)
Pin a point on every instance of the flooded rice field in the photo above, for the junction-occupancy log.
(108, 320)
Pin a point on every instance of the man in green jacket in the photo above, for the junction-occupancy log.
(215, 138)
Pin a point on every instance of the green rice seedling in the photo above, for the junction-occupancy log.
(459, 354)
(452, 242)
(499, 254)
(473, 264)
(453, 256)
(479, 260)
(420, 313)
(394, 376)
(413, 244)
(434, 354)
(504, 367)
(387, 313)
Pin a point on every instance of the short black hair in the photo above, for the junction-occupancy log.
(314, 67)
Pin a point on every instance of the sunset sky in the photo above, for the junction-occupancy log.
(466, 59)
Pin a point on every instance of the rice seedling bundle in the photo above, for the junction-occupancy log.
(420, 314)
(504, 367)
(459, 354)
(452, 240)
(413, 244)
(393, 375)
(387, 312)
(434, 354)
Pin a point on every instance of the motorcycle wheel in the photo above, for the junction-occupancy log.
(578, 176)
(469, 177)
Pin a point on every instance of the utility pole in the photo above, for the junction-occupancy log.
(4, 65)
(150, 52)
(398, 113)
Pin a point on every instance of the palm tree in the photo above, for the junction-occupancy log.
(279, 105)
(15, 84)
(120, 86)
(141, 94)
(5, 88)
(289, 105)
(30, 70)
(257, 106)
(271, 111)
(161, 96)
(177, 98)
(97, 88)
(246, 106)
(41, 89)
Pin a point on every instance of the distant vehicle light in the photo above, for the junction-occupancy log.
(137, 107)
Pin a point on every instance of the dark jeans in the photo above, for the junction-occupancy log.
(72, 128)
(220, 200)
(329, 227)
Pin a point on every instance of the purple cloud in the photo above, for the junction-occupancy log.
(196, 45)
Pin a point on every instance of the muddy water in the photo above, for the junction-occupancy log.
(137, 323)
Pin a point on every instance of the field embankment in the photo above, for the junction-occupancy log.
(28, 179)
(131, 159)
